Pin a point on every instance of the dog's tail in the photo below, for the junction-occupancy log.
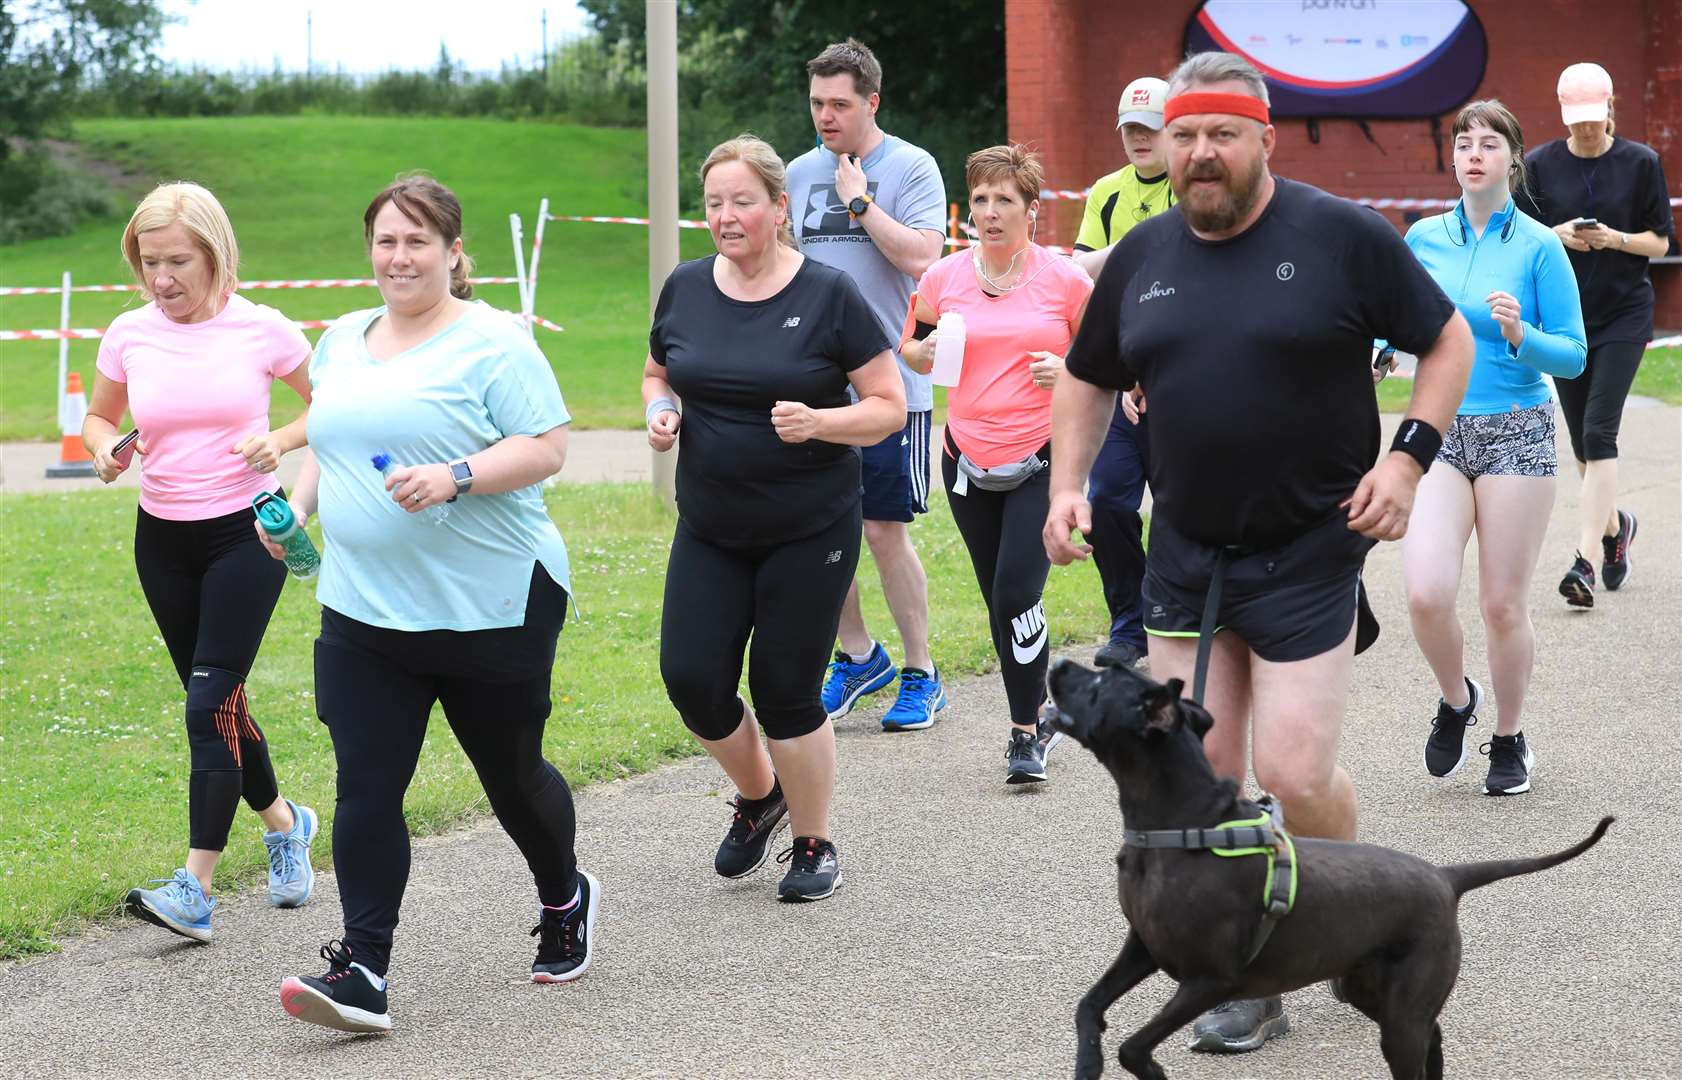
(1465, 877)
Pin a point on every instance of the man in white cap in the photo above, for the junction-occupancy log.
(1117, 202)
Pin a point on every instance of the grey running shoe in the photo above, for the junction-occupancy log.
(1024, 758)
(1235, 1027)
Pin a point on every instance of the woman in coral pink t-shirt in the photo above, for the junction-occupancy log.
(195, 367)
(1021, 306)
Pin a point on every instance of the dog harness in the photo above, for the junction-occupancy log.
(1261, 835)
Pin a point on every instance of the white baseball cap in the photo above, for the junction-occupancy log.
(1584, 90)
(1141, 103)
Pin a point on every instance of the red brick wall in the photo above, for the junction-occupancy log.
(1067, 61)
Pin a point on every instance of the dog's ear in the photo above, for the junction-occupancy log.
(1162, 708)
(1197, 718)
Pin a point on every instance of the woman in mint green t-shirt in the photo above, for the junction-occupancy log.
(443, 580)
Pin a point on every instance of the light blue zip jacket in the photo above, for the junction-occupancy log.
(1519, 255)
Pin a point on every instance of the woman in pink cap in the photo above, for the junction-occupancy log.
(1606, 198)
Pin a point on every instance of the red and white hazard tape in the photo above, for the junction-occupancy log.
(315, 283)
(90, 334)
(598, 219)
(1050, 194)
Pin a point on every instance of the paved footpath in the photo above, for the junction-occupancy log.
(972, 916)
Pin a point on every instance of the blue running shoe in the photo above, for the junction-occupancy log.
(291, 877)
(920, 696)
(180, 906)
(847, 681)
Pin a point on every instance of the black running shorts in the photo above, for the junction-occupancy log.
(1290, 602)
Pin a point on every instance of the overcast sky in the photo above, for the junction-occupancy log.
(362, 35)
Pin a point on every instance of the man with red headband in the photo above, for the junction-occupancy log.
(1243, 319)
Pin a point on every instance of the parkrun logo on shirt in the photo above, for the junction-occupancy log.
(1155, 291)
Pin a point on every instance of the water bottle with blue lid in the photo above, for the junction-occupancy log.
(434, 514)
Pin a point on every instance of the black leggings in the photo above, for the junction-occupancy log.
(375, 689)
(212, 587)
(787, 596)
(1593, 402)
(1002, 531)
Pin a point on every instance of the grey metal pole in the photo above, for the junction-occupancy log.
(662, 186)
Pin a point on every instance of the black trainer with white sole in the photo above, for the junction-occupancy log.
(1445, 749)
(814, 870)
(1024, 758)
(1615, 566)
(1510, 762)
(1236, 1027)
(748, 843)
(344, 998)
(565, 938)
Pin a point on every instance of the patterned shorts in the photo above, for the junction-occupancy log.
(1517, 443)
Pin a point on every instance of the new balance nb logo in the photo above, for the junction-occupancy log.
(832, 558)
(791, 322)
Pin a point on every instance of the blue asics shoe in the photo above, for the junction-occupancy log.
(920, 696)
(847, 681)
(291, 877)
(180, 905)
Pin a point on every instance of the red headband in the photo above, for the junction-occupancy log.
(1234, 104)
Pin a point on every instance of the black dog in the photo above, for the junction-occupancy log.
(1381, 921)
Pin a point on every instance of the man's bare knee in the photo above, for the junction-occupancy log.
(886, 537)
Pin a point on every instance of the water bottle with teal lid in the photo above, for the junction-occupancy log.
(434, 514)
(275, 515)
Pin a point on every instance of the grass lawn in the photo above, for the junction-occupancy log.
(295, 188)
(93, 759)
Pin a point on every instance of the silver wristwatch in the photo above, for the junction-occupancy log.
(463, 477)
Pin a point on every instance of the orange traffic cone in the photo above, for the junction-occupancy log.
(73, 457)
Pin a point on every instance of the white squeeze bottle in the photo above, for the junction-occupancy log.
(948, 349)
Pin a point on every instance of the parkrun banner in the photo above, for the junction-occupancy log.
(1364, 58)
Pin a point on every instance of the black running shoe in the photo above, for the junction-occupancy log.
(1121, 654)
(1235, 1027)
(814, 871)
(1445, 750)
(1578, 584)
(748, 843)
(564, 937)
(1614, 571)
(1024, 758)
(344, 998)
(1510, 761)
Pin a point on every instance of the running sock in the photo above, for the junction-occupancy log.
(1461, 709)
(373, 980)
(569, 905)
(865, 658)
(769, 797)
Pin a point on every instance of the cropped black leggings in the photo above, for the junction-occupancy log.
(375, 689)
(787, 597)
(1593, 402)
(212, 587)
(1002, 531)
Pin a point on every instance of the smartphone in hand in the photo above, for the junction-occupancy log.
(1584, 223)
(123, 452)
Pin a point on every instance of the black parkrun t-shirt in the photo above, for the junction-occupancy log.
(738, 483)
(1255, 356)
(1622, 189)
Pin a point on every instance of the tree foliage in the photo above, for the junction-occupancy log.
(742, 67)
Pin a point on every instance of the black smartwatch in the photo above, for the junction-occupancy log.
(859, 205)
(463, 477)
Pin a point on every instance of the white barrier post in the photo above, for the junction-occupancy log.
(520, 270)
(63, 342)
(536, 254)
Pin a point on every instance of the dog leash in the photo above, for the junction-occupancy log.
(1261, 835)
(1211, 613)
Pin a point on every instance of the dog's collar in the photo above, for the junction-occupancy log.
(1263, 834)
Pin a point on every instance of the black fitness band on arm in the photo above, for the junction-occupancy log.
(923, 330)
(1418, 440)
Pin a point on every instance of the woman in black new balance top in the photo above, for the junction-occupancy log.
(762, 345)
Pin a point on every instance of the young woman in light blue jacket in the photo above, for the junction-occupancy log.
(1510, 277)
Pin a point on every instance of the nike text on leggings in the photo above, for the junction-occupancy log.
(1002, 530)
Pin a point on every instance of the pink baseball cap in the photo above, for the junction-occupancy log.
(1584, 90)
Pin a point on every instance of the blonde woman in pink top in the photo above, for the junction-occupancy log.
(1021, 306)
(195, 367)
